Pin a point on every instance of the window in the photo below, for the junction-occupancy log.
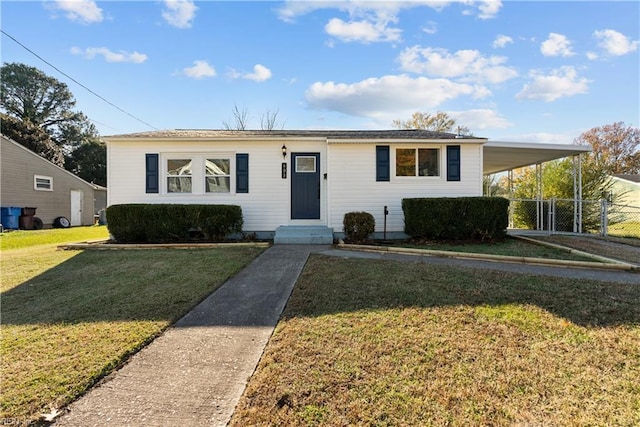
(305, 164)
(179, 175)
(417, 162)
(217, 176)
(42, 183)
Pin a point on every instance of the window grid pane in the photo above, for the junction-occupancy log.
(405, 162)
(305, 164)
(428, 162)
(217, 176)
(179, 175)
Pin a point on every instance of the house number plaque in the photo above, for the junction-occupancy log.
(284, 170)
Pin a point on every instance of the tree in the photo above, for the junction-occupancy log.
(440, 122)
(89, 162)
(269, 120)
(240, 119)
(33, 137)
(28, 94)
(616, 148)
(39, 115)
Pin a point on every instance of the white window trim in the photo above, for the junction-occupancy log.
(35, 182)
(441, 162)
(198, 173)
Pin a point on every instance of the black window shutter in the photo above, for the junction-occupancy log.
(242, 173)
(152, 172)
(453, 163)
(382, 163)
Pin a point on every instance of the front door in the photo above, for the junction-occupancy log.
(305, 186)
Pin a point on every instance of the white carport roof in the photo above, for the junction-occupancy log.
(500, 156)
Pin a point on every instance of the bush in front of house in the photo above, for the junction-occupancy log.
(358, 226)
(164, 223)
(456, 218)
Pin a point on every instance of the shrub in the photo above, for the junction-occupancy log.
(458, 218)
(162, 223)
(358, 226)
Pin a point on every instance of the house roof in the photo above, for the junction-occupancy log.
(42, 159)
(500, 156)
(395, 134)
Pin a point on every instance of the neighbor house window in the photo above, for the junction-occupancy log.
(417, 162)
(217, 176)
(179, 173)
(42, 183)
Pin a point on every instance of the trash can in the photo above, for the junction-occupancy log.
(26, 219)
(9, 217)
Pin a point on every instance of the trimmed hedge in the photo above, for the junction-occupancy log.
(456, 218)
(164, 223)
(358, 226)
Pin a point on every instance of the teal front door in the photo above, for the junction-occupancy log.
(305, 185)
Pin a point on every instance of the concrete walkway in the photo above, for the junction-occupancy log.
(195, 373)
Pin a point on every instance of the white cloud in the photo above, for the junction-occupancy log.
(199, 70)
(362, 31)
(83, 11)
(294, 8)
(502, 41)
(469, 65)
(562, 82)
(260, 73)
(489, 8)
(372, 21)
(592, 56)
(179, 13)
(615, 43)
(109, 56)
(480, 119)
(430, 28)
(556, 45)
(387, 97)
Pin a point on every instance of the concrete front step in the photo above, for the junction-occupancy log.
(303, 235)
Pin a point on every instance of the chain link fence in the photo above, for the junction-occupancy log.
(575, 216)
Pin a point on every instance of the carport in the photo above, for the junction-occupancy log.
(505, 156)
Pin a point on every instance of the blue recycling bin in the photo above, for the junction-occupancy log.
(9, 217)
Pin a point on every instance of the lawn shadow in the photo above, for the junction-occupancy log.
(337, 285)
(96, 286)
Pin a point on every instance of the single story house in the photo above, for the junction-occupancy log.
(29, 180)
(312, 178)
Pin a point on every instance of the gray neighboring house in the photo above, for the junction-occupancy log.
(29, 180)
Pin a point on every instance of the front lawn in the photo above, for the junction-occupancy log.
(70, 317)
(369, 342)
(27, 238)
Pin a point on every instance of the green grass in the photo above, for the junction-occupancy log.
(382, 343)
(70, 317)
(27, 238)
(509, 247)
(625, 229)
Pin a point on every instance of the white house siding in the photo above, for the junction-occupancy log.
(353, 186)
(265, 207)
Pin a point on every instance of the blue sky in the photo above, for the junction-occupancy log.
(510, 70)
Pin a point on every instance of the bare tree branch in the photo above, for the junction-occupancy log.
(240, 119)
